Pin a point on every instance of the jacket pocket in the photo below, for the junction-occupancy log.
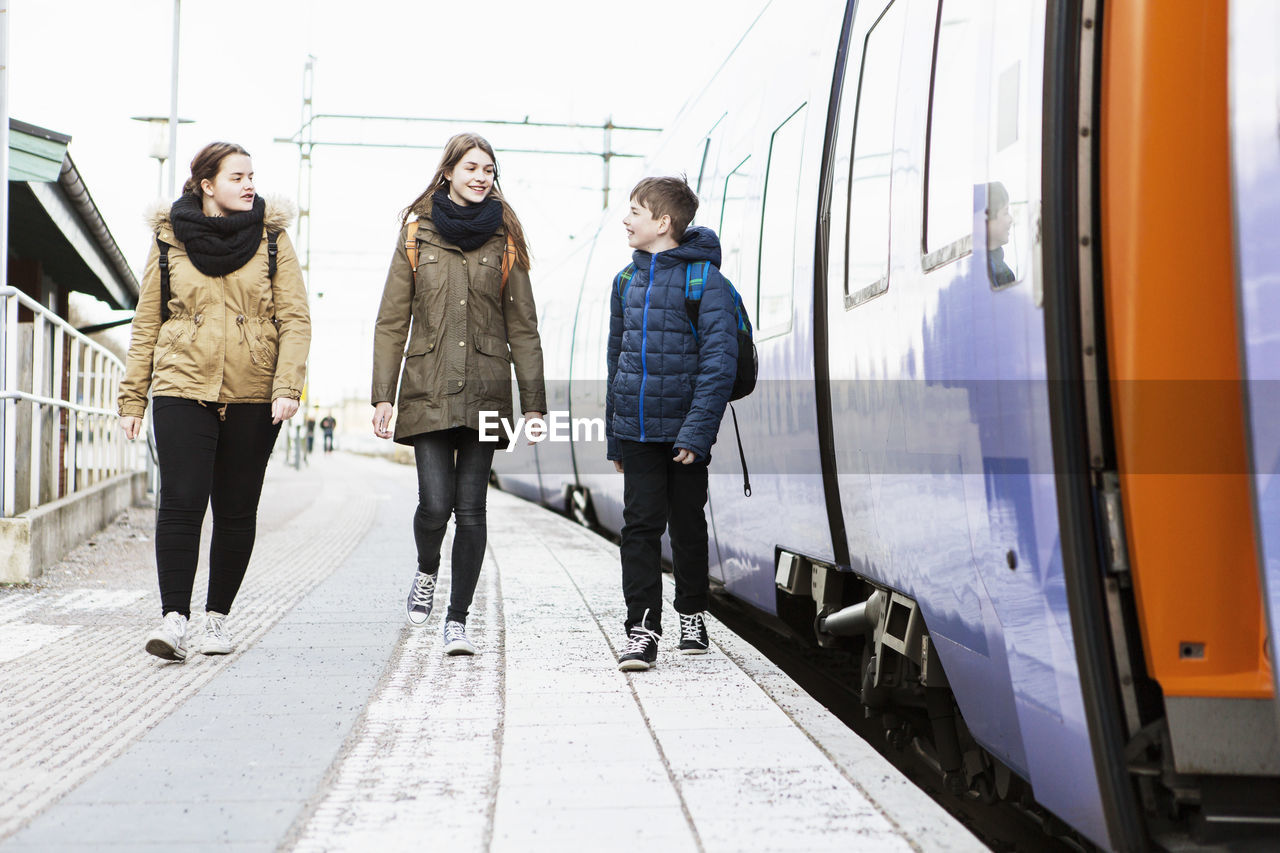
(492, 346)
(488, 275)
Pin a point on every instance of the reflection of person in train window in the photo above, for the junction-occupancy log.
(999, 223)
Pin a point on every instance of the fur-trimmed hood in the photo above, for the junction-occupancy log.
(279, 215)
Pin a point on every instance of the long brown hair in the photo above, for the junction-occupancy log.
(454, 150)
(207, 162)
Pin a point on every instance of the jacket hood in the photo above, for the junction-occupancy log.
(278, 216)
(699, 244)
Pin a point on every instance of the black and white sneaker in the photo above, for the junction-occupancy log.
(456, 641)
(641, 651)
(421, 596)
(693, 634)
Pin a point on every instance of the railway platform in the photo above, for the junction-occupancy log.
(336, 726)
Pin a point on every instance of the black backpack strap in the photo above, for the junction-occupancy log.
(272, 251)
(746, 478)
(164, 279)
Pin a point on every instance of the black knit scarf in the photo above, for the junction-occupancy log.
(465, 226)
(217, 245)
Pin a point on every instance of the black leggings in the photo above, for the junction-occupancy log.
(208, 454)
(453, 478)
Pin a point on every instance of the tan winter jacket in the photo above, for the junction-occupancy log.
(238, 338)
(463, 340)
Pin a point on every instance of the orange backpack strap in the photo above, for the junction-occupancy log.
(411, 247)
(508, 261)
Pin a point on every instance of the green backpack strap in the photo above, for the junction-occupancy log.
(622, 282)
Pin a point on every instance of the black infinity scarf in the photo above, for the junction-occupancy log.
(217, 245)
(466, 226)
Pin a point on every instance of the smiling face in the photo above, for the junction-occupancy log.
(472, 178)
(644, 232)
(231, 190)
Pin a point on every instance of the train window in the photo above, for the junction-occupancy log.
(778, 225)
(867, 246)
(702, 156)
(1011, 195)
(733, 219)
(949, 169)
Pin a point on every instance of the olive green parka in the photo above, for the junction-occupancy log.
(466, 332)
(238, 338)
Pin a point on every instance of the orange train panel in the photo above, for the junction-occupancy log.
(1172, 346)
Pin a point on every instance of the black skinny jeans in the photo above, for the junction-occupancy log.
(453, 478)
(208, 458)
(658, 492)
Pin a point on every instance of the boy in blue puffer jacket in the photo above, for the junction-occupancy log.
(671, 369)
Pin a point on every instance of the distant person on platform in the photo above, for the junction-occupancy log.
(311, 433)
(999, 226)
(668, 385)
(223, 353)
(460, 272)
(327, 425)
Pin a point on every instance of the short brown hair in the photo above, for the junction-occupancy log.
(668, 197)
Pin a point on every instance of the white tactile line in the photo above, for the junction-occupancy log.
(580, 765)
(760, 764)
(81, 701)
(420, 767)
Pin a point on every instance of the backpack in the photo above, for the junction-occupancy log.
(411, 247)
(744, 379)
(272, 251)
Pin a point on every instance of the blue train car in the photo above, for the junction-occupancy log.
(969, 440)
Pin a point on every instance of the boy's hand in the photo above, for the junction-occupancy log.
(686, 456)
(617, 464)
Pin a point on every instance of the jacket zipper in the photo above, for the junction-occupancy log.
(644, 341)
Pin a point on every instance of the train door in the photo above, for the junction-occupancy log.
(937, 362)
(1255, 99)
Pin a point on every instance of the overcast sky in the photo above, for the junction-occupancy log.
(84, 67)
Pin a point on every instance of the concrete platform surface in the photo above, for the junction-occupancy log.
(336, 726)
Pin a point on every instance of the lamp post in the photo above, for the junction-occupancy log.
(160, 144)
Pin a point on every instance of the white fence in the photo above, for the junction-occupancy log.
(58, 426)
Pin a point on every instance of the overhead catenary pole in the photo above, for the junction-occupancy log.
(8, 421)
(173, 102)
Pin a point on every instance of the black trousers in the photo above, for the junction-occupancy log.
(209, 454)
(658, 494)
(453, 479)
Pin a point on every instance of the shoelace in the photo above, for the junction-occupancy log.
(691, 627)
(639, 639)
(213, 627)
(176, 625)
(454, 631)
(424, 587)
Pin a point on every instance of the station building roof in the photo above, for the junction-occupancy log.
(53, 219)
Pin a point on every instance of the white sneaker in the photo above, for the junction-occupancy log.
(169, 641)
(216, 640)
(455, 639)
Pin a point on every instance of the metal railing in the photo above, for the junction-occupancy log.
(69, 439)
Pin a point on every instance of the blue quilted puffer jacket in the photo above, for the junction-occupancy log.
(665, 384)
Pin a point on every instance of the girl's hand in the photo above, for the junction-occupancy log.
(537, 431)
(283, 408)
(382, 420)
(686, 456)
(131, 426)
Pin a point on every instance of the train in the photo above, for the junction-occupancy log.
(1014, 274)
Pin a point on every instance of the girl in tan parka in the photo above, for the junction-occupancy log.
(465, 321)
(224, 362)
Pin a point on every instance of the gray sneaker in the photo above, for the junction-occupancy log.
(216, 640)
(421, 595)
(169, 641)
(455, 639)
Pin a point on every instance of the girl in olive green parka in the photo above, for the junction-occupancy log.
(457, 313)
